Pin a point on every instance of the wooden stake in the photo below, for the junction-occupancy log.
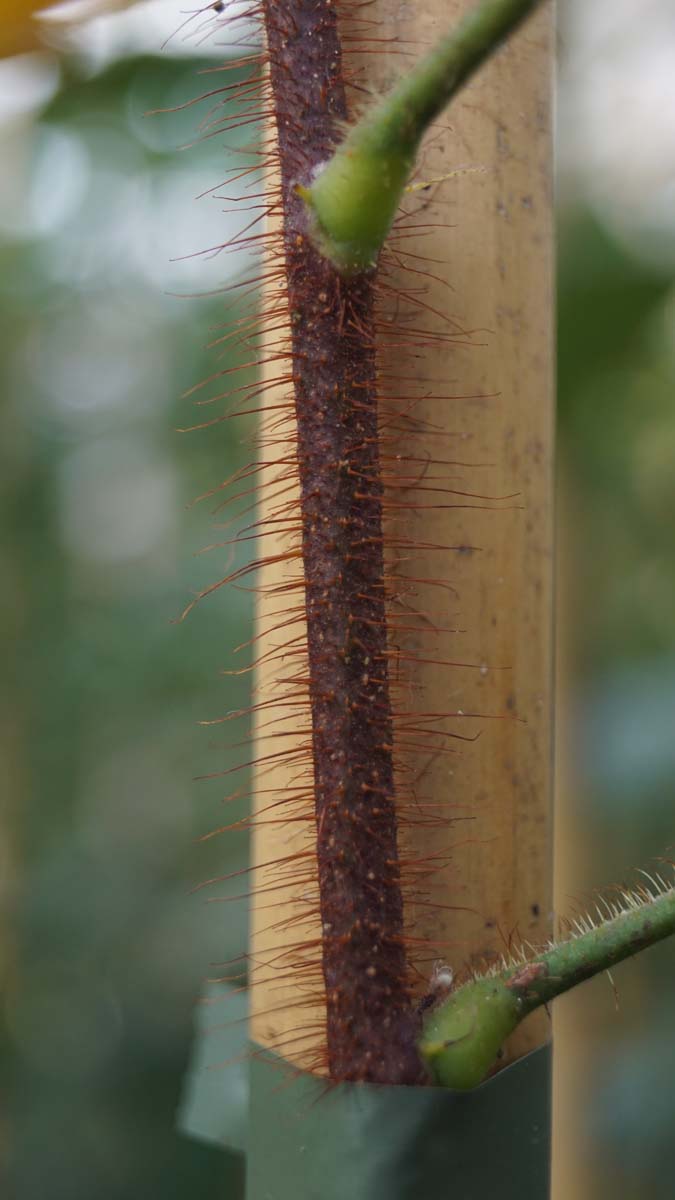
(488, 240)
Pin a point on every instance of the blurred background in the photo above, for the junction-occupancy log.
(105, 318)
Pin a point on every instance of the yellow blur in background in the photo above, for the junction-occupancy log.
(26, 27)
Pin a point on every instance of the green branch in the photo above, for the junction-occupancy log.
(462, 1035)
(354, 198)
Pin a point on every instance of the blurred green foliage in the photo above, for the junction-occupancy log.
(617, 454)
(102, 691)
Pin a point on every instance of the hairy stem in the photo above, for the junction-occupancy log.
(355, 195)
(370, 1026)
(463, 1034)
(648, 919)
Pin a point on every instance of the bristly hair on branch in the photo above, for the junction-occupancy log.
(370, 1027)
(336, 457)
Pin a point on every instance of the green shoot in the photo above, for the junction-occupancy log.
(462, 1034)
(354, 197)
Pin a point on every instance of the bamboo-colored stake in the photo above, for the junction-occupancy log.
(287, 1012)
(488, 241)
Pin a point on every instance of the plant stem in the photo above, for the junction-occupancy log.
(353, 199)
(649, 919)
(462, 1035)
(371, 1026)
